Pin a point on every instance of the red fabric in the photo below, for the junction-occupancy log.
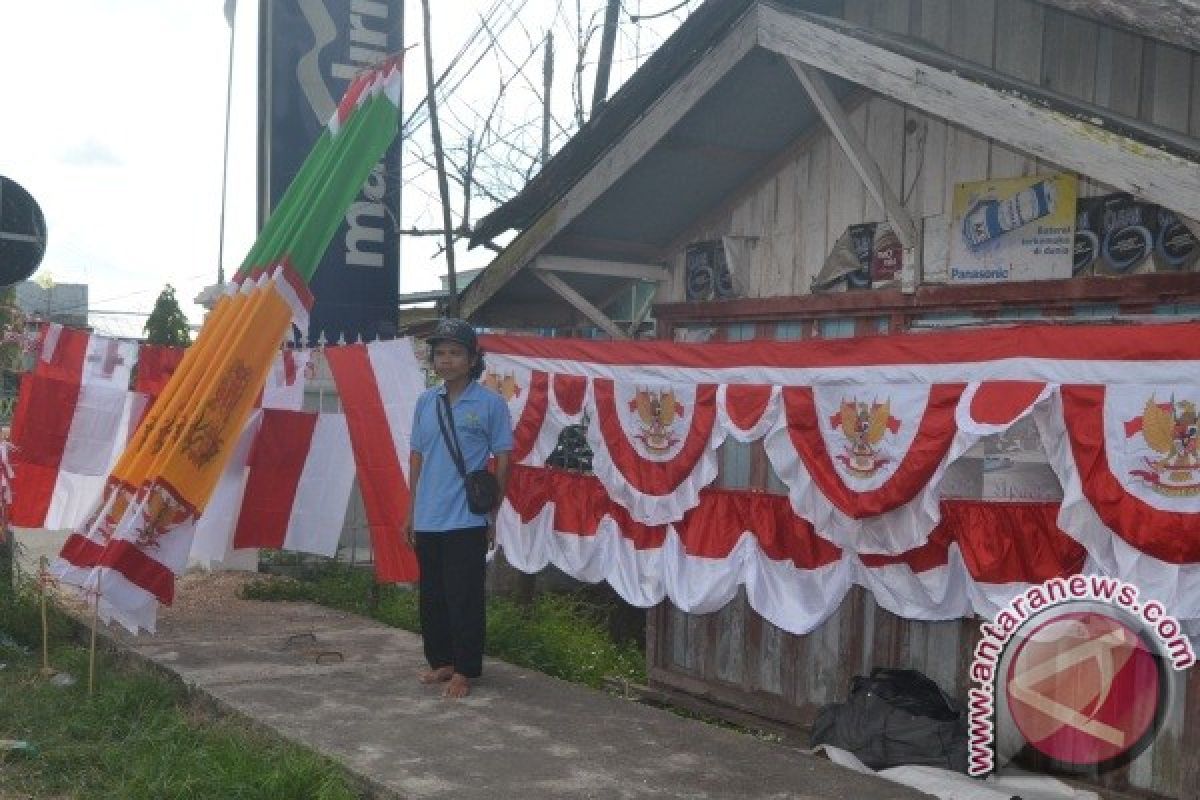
(712, 528)
(746, 404)
(569, 391)
(139, 569)
(124, 557)
(527, 428)
(1084, 343)
(1169, 536)
(385, 492)
(580, 502)
(1009, 542)
(929, 447)
(1001, 402)
(999, 543)
(276, 462)
(66, 361)
(655, 477)
(156, 364)
(41, 424)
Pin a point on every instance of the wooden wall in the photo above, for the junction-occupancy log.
(793, 214)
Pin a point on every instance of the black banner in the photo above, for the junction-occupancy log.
(309, 52)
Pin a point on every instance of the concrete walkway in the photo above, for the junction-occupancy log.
(520, 734)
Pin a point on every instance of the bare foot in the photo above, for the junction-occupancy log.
(439, 675)
(458, 687)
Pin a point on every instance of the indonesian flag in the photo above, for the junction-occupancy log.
(73, 417)
(301, 471)
(379, 384)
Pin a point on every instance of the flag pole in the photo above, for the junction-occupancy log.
(231, 16)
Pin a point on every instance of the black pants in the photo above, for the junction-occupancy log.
(452, 599)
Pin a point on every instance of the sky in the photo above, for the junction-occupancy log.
(114, 120)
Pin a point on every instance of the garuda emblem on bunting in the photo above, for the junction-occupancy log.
(863, 425)
(657, 413)
(1170, 430)
(504, 385)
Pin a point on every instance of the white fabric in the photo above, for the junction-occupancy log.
(1051, 370)
(121, 600)
(761, 427)
(1177, 586)
(109, 362)
(278, 391)
(100, 426)
(319, 508)
(895, 531)
(948, 785)
(1131, 454)
(796, 600)
(400, 381)
(213, 541)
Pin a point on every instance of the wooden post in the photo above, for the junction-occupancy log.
(608, 40)
(7, 557)
(43, 576)
(439, 158)
(91, 651)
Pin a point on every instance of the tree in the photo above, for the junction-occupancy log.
(167, 323)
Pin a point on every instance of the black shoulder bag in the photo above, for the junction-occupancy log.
(483, 490)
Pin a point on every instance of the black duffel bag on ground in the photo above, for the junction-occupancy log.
(896, 717)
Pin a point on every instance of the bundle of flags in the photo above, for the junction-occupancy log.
(137, 537)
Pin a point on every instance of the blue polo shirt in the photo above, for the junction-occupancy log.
(484, 428)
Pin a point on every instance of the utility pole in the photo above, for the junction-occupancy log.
(547, 84)
(440, 161)
(608, 41)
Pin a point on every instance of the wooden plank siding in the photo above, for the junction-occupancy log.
(796, 213)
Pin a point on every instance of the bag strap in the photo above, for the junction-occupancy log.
(451, 437)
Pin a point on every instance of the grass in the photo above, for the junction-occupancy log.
(561, 635)
(139, 736)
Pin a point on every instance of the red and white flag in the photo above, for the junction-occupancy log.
(73, 417)
(379, 384)
(301, 471)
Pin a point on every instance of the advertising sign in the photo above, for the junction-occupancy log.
(1017, 229)
(311, 49)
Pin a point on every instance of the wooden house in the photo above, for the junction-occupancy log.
(757, 136)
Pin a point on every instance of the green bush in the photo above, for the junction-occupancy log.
(560, 635)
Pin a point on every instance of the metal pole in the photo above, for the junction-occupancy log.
(225, 159)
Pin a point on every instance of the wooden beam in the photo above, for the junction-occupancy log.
(580, 302)
(1146, 171)
(1175, 21)
(831, 111)
(595, 266)
(658, 120)
(597, 247)
(1152, 289)
(640, 314)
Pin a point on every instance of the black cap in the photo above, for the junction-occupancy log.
(454, 330)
